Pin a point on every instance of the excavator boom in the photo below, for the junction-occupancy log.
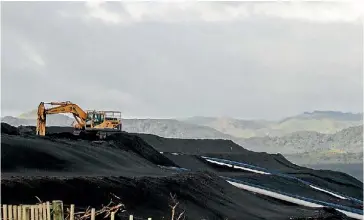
(68, 107)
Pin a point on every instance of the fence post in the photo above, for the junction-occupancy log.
(32, 212)
(40, 212)
(28, 212)
(48, 211)
(10, 212)
(5, 211)
(15, 212)
(44, 207)
(131, 217)
(149, 218)
(93, 214)
(36, 215)
(24, 217)
(112, 216)
(19, 212)
(72, 212)
(57, 207)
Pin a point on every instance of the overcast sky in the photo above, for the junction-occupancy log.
(244, 60)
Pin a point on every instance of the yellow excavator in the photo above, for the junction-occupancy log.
(90, 121)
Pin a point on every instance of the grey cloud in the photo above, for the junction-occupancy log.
(224, 11)
(260, 67)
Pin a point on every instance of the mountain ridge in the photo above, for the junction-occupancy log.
(327, 122)
(346, 142)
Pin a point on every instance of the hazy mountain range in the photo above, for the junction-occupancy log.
(161, 127)
(344, 141)
(327, 122)
(310, 136)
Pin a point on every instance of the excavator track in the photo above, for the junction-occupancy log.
(99, 134)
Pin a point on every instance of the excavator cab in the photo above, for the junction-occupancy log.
(94, 118)
(103, 120)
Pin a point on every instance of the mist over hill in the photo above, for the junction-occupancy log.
(327, 122)
(163, 127)
(319, 135)
(346, 140)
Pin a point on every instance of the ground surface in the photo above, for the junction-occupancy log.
(132, 167)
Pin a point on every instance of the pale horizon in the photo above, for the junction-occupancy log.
(180, 118)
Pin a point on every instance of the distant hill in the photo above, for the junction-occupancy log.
(162, 127)
(327, 122)
(325, 157)
(171, 128)
(335, 115)
(303, 138)
(346, 140)
(235, 127)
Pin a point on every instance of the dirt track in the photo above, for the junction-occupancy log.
(129, 165)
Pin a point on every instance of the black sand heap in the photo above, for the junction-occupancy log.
(132, 167)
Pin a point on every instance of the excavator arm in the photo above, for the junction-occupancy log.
(61, 107)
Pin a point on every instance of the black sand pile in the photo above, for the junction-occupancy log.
(84, 172)
(43, 156)
(8, 129)
(332, 180)
(201, 196)
(191, 146)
